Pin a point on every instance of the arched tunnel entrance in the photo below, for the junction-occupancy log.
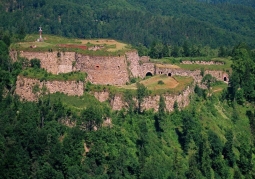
(225, 79)
(169, 74)
(148, 74)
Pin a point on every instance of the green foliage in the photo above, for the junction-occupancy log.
(228, 149)
(199, 91)
(160, 82)
(128, 98)
(135, 21)
(162, 106)
(176, 107)
(242, 79)
(43, 75)
(35, 63)
(204, 158)
(208, 81)
(141, 93)
(92, 116)
(35, 88)
(202, 72)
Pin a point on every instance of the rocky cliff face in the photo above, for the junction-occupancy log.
(30, 89)
(150, 102)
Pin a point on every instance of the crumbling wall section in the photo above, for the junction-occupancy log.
(53, 62)
(133, 63)
(25, 88)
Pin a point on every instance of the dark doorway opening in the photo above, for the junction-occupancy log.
(148, 74)
(225, 78)
(169, 74)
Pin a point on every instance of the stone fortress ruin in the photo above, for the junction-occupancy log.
(112, 70)
(105, 70)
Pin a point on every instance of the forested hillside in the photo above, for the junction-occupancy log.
(240, 2)
(212, 138)
(136, 22)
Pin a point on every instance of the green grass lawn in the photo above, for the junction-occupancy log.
(55, 43)
(171, 85)
(43, 75)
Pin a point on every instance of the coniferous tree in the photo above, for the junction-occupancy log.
(228, 149)
(141, 93)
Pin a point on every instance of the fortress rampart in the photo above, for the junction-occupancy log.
(196, 74)
(103, 70)
(112, 70)
(53, 62)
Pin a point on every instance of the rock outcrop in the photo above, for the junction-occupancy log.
(150, 102)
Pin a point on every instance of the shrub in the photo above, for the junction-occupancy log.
(133, 80)
(35, 63)
(160, 82)
(25, 73)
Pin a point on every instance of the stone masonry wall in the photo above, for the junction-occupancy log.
(147, 68)
(133, 63)
(109, 70)
(103, 70)
(51, 62)
(203, 62)
(219, 75)
(100, 69)
(24, 87)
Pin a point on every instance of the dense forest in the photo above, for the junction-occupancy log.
(136, 22)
